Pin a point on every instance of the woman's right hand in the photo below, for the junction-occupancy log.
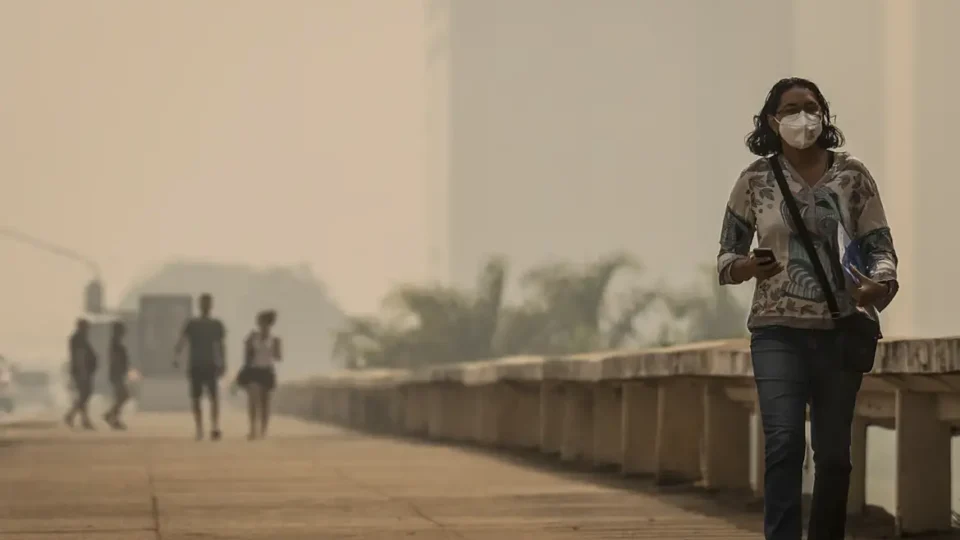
(751, 267)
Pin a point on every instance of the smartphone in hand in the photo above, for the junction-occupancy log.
(764, 255)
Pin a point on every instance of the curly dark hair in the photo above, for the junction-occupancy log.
(764, 141)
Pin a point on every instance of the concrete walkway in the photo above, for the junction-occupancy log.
(313, 482)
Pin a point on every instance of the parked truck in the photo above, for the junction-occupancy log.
(161, 319)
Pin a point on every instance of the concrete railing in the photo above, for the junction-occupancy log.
(679, 414)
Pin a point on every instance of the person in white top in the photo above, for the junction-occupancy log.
(258, 376)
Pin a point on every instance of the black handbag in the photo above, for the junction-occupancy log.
(858, 333)
(243, 376)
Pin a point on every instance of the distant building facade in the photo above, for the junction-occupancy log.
(569, 129)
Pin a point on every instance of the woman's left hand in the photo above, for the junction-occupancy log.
(868, 291)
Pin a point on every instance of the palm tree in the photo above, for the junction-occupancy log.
(622, 327)
(429, 324)
(357, 344)
(710, 312)
(566, 312)
(487, 307)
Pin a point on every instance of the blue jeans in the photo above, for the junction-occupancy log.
(793, 367)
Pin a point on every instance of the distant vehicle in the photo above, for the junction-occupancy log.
(34, 387)
(7, 386)
(161, 321)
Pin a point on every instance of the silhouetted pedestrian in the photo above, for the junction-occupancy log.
(83, 366)
(207, 363)
(258, 377)
(119, 369)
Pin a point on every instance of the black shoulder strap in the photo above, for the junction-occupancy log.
(804, 234)
(248, 351)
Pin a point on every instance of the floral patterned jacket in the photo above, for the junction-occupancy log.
(846, 196)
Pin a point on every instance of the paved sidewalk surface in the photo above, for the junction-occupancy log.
(313, 482)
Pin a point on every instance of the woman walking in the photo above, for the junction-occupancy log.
(258, 376)
(813, 320)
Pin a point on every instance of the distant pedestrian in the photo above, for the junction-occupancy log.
(83, 366)
(119, 370)
(207, 363)
(258, 377)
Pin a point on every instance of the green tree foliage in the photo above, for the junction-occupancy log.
(427, 324)
(709, 311)
(566, 309)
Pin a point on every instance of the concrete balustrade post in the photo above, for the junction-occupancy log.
(551, 417)
(336, 405)
(453, 411)
(577, 443)
(287, 401)
(343, 406)
(507, 408)
(435, 415)
(369, 404)
(397, 410)
(923, 472)
(357, 417)
(726, 439)
(464, 411)
(349, 406)
(520, 416)
(327, 404)
(314, 398)
(488, 414)
(679, 430)
(532, 420)
(333, 404)
(378, 410)
(415, 409)
(857, 494)
(325, 397)
(638, 420)
(607, 425)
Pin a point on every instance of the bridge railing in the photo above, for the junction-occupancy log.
(678, 414)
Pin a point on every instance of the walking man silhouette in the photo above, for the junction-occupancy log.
(207, 363)
(119, 370)
(83, 364)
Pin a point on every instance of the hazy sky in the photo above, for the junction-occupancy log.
(294, 131)
(245, 131)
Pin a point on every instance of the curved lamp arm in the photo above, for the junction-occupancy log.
(51, 248)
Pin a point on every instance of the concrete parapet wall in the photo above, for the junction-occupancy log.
(679, 414)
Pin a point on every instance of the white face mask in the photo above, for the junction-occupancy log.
(801, 130)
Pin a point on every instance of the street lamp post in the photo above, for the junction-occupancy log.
(93, 292)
